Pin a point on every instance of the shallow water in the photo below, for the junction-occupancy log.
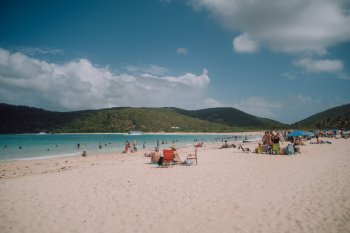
(34, 146)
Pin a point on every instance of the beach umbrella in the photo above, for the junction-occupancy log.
(310, 134)
(297, 133)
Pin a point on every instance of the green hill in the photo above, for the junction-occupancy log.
(338, 117)
(233, 117)
(143, 119)
(21, 119)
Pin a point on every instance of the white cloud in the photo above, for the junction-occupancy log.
(295, 26)
(148, 68)
(182, 51)
(31, 51)
(303, 99)
(286, 108)
(211, 103)
(290, 75)
(244, 44)
(344, 76)
(79, 85)
(319, 66)
(259, 106)
(191, 80)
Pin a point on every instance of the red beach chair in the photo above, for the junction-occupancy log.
(168, 157)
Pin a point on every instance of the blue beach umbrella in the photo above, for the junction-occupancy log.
(310, 134)
(297, 133)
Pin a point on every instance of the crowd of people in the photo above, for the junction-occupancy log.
(272, 142)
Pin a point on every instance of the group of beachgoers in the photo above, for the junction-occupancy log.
(173, 157)
(272, 142)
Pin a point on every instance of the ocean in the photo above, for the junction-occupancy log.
(40, 146)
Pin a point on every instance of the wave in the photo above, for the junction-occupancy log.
(49, 156)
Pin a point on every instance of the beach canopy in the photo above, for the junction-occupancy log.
(297, 133)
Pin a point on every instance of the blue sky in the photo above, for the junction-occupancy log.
(284, 60)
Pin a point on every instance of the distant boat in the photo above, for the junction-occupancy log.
(41, 133)
(135, 133)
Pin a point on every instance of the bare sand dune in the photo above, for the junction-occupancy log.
(229, 191)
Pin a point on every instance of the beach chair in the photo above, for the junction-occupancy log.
(193, 157)
(168, 157)
(265, 149)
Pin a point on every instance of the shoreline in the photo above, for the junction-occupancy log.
(118, 149)
(149, 133)
(56, 161)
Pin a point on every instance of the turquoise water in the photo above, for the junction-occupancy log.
(34, 146)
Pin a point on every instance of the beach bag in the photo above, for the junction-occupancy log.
(188, 162)
(289, 149)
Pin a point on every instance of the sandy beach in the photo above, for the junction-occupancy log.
(229, 191)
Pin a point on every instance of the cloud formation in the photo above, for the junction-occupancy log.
(148, 68)
(244, 44)
(296, 26)
(79, 84)
(320, 66)
(259, 106)
(182, 51)
(31, 51)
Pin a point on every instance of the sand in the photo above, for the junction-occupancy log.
(229, 191)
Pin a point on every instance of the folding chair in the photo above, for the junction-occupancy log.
(168, 157)
(193, 156)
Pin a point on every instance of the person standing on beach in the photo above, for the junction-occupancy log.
(134, 146)
(176, 157)
(126, 147)
(267, 140)
(276, 139)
